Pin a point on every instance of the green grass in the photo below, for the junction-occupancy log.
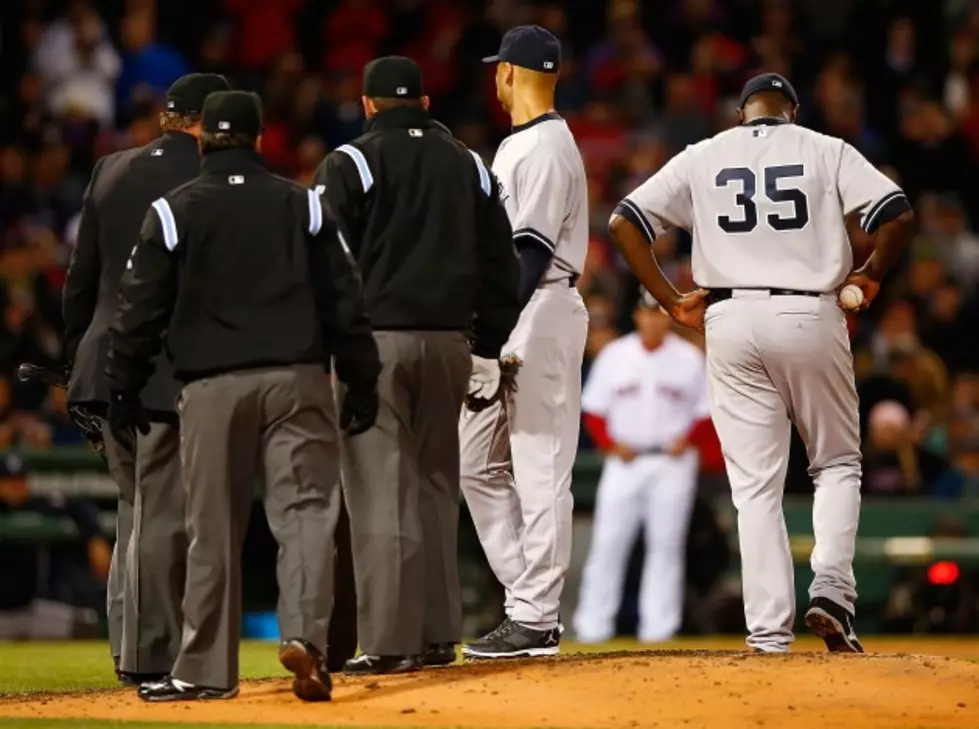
(76, 666)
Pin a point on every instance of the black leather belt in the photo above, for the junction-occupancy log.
(572, 281)
(717, 295)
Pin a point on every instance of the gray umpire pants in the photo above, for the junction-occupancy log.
(274, 425)
(401, 485)
(146, 575)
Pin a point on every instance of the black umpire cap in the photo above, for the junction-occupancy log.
(393, 77)
(233, 112)
(531, 47)
(187, 94)
(768, 82)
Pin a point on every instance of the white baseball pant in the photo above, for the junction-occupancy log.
(656, 492)
(523, 518)
(773, 360)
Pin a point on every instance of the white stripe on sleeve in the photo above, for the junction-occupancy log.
(363, 169)
(484, 178)
(168, 223)
(315, 212)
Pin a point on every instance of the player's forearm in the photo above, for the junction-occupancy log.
(641, 260)
(892, 239)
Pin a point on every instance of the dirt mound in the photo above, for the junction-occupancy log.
(652, 689)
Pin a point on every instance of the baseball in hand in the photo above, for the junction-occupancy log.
(851, 297)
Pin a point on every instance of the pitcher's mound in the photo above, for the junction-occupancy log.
(654, 689)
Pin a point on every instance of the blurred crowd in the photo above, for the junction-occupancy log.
(898, 80)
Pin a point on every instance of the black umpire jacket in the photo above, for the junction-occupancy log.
(423, 217)
(120, 192)
(243, 270)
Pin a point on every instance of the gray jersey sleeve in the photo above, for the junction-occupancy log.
(542, 189)
(663, 201)
(866, 189)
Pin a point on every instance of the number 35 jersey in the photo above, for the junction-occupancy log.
(765, 203)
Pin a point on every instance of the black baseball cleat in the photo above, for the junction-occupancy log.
(173, 689)
(439, 654)
(834, 624)
(513, 640)
(369, 665)
(138, 679)
(312, 680)
(490, 636)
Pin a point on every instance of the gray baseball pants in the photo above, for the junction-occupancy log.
(517, 458)
(276, 425)
(401, 486)
(773, 361)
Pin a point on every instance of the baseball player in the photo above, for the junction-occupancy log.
(645, 394)
(524, 519)
(766, 203)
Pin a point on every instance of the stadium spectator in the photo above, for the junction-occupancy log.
(893, 465)
(80, 82)
(149, 65)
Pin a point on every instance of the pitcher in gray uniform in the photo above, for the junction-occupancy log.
(766, 202)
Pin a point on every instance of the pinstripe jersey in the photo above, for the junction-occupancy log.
(765, 203)
(545, 191)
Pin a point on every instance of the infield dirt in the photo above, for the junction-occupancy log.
(648, 689)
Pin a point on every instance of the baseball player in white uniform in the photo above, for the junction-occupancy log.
(645, 394)
(523, 517)
(766, 202)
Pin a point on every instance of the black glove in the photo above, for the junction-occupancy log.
(126, 416)
(90, 426)
(359, 411)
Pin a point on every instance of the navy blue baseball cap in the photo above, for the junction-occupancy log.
(768, 82)
(529, 46)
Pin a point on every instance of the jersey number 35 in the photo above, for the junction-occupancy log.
(746, 198)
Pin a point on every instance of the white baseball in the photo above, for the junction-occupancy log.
(851, 297)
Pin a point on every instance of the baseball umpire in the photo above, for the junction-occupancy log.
(256, 291)
(146, 580)
(423, 217)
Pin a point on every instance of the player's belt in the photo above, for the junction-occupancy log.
(717, 295)
(651, 451)
(569, 281)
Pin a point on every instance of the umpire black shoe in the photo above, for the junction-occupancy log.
(513, 640)
(834, 624)
(439, 654)
(138, 679)
(368, 665)
(173, 689)
(312, 680)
